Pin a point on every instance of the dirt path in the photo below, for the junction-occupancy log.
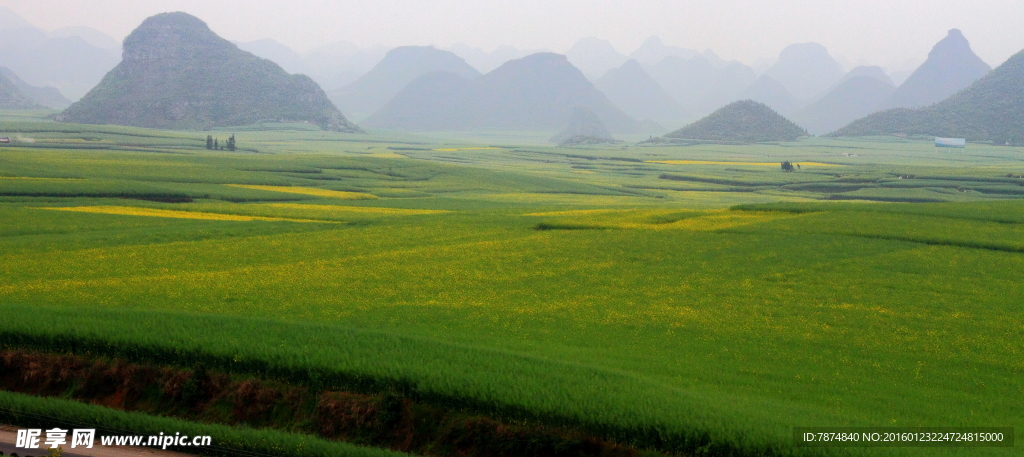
(9, 434)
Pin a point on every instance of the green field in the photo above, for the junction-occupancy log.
(642, 293)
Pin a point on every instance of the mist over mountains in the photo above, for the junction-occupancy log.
(332, 66)
(852, 99)
(537, 92)
(594, 57)
(806, 70)
(631, 88)
(48, 97)
(399, 67)
(951, 66)
(873, 72)
(700, 84)
(72, 59)
(584, 127)
(12, 97)
(653, 50)
(774, 94)
(465, 88)
(991, 109)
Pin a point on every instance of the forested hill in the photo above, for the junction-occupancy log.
(177, 74)
(991, 109)
(744, 121)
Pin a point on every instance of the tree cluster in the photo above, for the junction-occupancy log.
(214, 143)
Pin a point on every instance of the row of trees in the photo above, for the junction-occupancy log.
(214, 143)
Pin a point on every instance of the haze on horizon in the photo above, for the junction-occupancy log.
(869, 32)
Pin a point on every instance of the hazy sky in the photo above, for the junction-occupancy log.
(883, 32)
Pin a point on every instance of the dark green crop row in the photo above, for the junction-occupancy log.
(503, 385)
(27, 411)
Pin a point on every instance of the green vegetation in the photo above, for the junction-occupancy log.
(178, 74)
(11, 96)
(28, 411)
(688, 299)
(987, 111)
(584, 128)
(744, 121)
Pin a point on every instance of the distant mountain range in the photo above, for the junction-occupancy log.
(773, 93)
(537, 92)
(72, 59)
(701, 84)
(484, 61)
(332, 66)
(991, 109)
(398, 68)
(584, 127)
(12, 97)
(951, 66)
(869, 71)
(653, 50)
(852, 99)
(41, 97)
(178, 74)
(803, 72)
(857, 94)
(806, 70)
(745, 121)
(634, 91)
(672, 84)
(594, 57)
(667, 84)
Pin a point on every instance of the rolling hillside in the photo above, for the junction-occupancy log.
(988, 110)
(951, 66)
(745, 121)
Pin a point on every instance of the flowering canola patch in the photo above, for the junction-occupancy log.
(358, 209)
(309, 191)
(579, 212)
(153, 212)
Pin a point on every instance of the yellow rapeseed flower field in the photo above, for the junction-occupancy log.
(309, 191)
(357, 209)
(579, 212)
(152, 212)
